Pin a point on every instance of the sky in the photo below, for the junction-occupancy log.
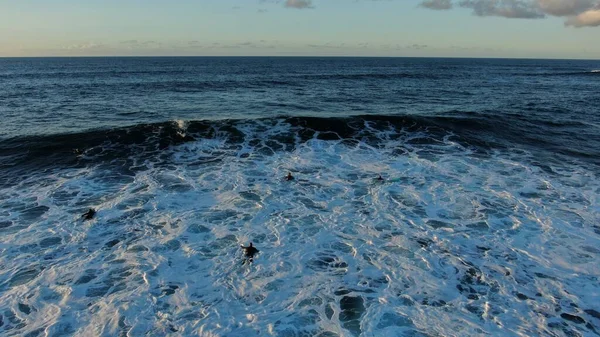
(406, 28)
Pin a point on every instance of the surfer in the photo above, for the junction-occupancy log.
(379, 178)
(288, 178)
(89, 214)
(249, 252)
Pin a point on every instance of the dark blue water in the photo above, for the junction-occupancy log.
(485, 223)
(55, 95)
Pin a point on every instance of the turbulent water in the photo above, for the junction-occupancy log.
(486, 221)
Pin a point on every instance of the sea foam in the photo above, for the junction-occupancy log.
(453, 241)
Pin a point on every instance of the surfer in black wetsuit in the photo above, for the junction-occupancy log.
(379, 178)
(288, 178)
(89, 214)
(249, 253)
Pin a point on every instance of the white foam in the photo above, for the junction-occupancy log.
(451, 243)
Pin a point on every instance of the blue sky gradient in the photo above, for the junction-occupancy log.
(471, 28)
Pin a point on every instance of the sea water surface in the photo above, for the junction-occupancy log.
(486, 223)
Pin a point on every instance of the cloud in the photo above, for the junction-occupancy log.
(137, 44)
(261, 44)
(414, 46)
(437, 4)
(563, 7)
(84, 46)
(298, 4)
(151, 43)
(515, 9)
(328, 45)
(194, 44)
(590, 18)
(578, 13)
(417, 46)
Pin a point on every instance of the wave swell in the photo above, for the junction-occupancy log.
(481, 132)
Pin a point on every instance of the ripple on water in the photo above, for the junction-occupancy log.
(327, 261)
(33, 213)
(25, 275)
(352, 309)
(5, 224)
(390, 319)
(49, 242)
(89, 276)
(197, 228)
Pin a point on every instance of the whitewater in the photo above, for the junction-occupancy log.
(456, 240)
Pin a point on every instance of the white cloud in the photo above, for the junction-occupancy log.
(589, 18)
(84, 46)
(328, 45)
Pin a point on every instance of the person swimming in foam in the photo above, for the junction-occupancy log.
(89, 215)
(289, 176)
(249, 252)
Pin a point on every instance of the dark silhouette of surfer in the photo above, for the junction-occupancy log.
(249, 253)
(379, 178)
(89, 215)
(289, 176)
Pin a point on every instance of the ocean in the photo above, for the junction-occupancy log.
(486, 221)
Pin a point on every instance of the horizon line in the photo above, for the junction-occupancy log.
(299, 56)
